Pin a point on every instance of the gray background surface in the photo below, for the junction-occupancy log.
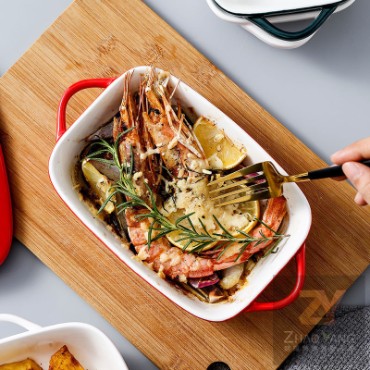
(320, 92)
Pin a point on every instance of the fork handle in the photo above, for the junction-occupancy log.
(333, 171)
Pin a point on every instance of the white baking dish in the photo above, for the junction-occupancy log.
(89, 345)
(260, 17)
(72, 141)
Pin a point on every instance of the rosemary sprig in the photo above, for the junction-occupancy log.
(160, 225)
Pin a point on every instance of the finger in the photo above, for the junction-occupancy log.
(354, 152)
(360, 200)
(359, 175)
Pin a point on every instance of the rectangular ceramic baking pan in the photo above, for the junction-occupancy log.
(93, 349)
(71, 142)
(260, 17)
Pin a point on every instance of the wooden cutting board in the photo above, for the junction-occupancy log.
(104, 39)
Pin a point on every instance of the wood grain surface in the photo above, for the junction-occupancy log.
(103, 39)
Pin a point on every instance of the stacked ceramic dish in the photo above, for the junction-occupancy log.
(262, 17)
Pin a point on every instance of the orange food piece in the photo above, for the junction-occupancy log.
(27, 364)
(64, 360)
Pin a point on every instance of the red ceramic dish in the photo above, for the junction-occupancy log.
(70, 144)
(6, 222)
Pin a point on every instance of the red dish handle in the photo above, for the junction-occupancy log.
(73, 89)
(293, 295)
(6, 219)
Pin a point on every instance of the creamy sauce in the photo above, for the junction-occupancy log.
(192, 196)
(149, 152)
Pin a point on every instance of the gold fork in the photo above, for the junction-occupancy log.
(263, 181)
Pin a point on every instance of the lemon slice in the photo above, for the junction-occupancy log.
(252, 209)
(177, 237)
(221, 152)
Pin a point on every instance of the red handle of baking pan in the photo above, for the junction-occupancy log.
(73, 89)
(300, 259)
(6, 220)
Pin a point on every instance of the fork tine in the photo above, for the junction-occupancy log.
(250, 190)
(245, 171)
(241, 182)
(265, 194)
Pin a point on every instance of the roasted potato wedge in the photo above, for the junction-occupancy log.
(27, 364)
(64, 360)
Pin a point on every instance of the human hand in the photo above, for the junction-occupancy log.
(357, 173)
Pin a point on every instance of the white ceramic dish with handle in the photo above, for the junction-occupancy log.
(93, 349)
(71, 142)
(260, 17)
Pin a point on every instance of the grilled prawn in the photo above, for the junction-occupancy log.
(173, 262)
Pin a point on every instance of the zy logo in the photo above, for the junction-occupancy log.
(319, 301)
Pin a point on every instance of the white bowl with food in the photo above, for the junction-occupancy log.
(135, 168)
(77, 344)
(263, 18)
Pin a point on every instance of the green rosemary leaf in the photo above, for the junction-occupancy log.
(225, 246)
(142, 216)
(242, 250)
(124, 205)
(268, 227)
(131, 169)
(166, 170)
(161, 234)
(123, 209)
(223, 236)
(199, 248)
(274, 248)
(97, 155)
(152, 199)
(221, 226)
(196, 238)
(186, 246)
(191, 224)
(150, 233)
(126, 132)
(259, 241)
(203, 227)
(184, 237)
(103, 160)
(182, 218)
(220, 245)
(244, 233)
(109, 199)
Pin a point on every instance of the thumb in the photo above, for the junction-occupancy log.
(359, 175)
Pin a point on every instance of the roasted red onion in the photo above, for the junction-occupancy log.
(204, 282)
(254, 174)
